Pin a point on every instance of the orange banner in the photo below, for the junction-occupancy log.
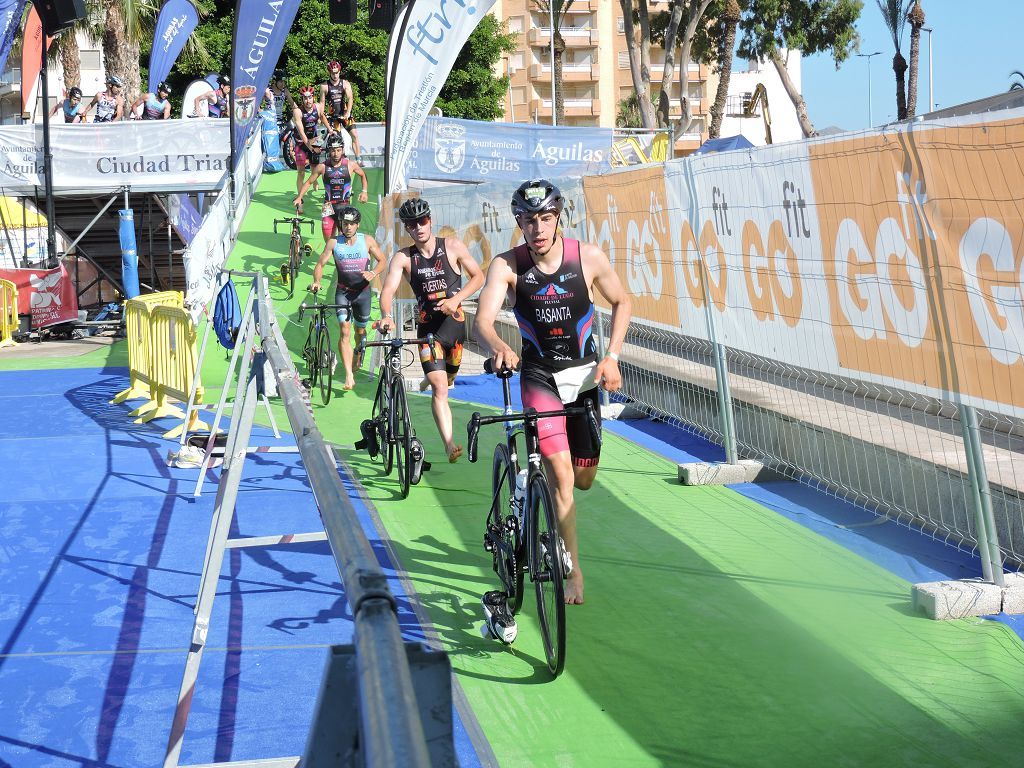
(31, 57)
(628, 218)
(924, 256)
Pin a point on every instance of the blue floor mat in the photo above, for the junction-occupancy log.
(102, 548)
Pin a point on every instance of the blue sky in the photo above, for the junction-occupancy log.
(977, 45)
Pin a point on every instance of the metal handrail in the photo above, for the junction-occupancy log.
(390, 722)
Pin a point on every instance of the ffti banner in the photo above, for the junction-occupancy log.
(178, 19)
(261, 27)
(432, 33)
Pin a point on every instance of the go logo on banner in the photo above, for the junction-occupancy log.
(628, 220)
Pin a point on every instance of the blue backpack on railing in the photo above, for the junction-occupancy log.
(227, 315)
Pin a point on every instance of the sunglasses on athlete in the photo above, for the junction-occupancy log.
(420, 222)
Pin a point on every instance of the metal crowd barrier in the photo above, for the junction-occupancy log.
(8, 313)
(140, 345)
(382, 702)
(173, 362)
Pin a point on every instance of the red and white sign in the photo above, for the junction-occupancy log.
(48, 294)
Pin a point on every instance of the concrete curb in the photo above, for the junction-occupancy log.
(744, 471)
(943, 600)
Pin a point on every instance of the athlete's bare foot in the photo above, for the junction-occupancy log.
(454, 453)
(573, 589)
(349, 384)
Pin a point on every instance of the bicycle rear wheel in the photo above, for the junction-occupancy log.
(325, 361)
(381, 419)
(546, 569)
(309, 355)
(508, 564)
(401, 431)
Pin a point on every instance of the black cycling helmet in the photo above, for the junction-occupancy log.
(335, 142)
(278, 74)
(350, 213)
(75, 93)
(414, 209)
(536, 196)
(223, 80)
(164, 87)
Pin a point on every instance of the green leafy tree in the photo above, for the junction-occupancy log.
(472, 91)
(810, 26)
(628, 114)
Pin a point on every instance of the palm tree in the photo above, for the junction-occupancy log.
(628, 114)
(1018, 84)
(557, 14)
(916, 19)
(731, 18)
(894, 12)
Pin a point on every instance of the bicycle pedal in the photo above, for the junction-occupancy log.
(499, 621)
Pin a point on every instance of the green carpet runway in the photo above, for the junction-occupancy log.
(716, 632)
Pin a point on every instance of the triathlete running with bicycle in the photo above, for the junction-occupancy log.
(337, 171)
(549, 281)
(434, 267)
(307, 118)
(336, 99)
(351, 251)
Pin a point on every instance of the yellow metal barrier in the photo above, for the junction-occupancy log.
(173, 364)
(140, 346)
(8, 313)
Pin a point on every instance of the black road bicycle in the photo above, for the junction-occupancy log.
(296, 250)
(318, 349)
(388, 432)
(522, 527)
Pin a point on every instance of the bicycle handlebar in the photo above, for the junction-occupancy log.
(504, 373)
(323, 308)
(294, 221)
(530, 414)
(398, 342)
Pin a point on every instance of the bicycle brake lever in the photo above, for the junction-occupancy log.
(473, 428)
(595, 428)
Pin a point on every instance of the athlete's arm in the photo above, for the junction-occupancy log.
(379, 262)
(138, 101)
(300, 129)
(473, 276)
(167, 109)
(318, 270)
(322, 101)
(316, 174)
(347, 88)
(499, 281)
(358, 171)
(203, 97)
(118, 108)
(606, 281)
(56, 106)
(399, 261)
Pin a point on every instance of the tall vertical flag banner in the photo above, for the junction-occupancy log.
(431, 35)
(11, 12)
(177, 20)
(31, 58)
(261, 27)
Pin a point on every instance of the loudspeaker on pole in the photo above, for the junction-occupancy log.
(59, 14)
(342, 11)
(382, 14)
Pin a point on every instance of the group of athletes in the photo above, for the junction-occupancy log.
(548, 281)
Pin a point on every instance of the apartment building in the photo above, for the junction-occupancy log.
(595, 68)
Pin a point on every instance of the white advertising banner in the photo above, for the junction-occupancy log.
(142, 154)
(431, 35)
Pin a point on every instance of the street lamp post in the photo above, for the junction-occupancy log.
(551, 21)
(931, 92)
(868, 57)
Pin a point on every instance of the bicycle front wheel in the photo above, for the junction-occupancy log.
(401, 431)
(546, 570)
(294, 255)
(309, 355)
(382, 421)
(325, 361)
(508, 564)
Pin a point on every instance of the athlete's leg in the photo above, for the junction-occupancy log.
(437, 378)
(561, 479)
(345, 352)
